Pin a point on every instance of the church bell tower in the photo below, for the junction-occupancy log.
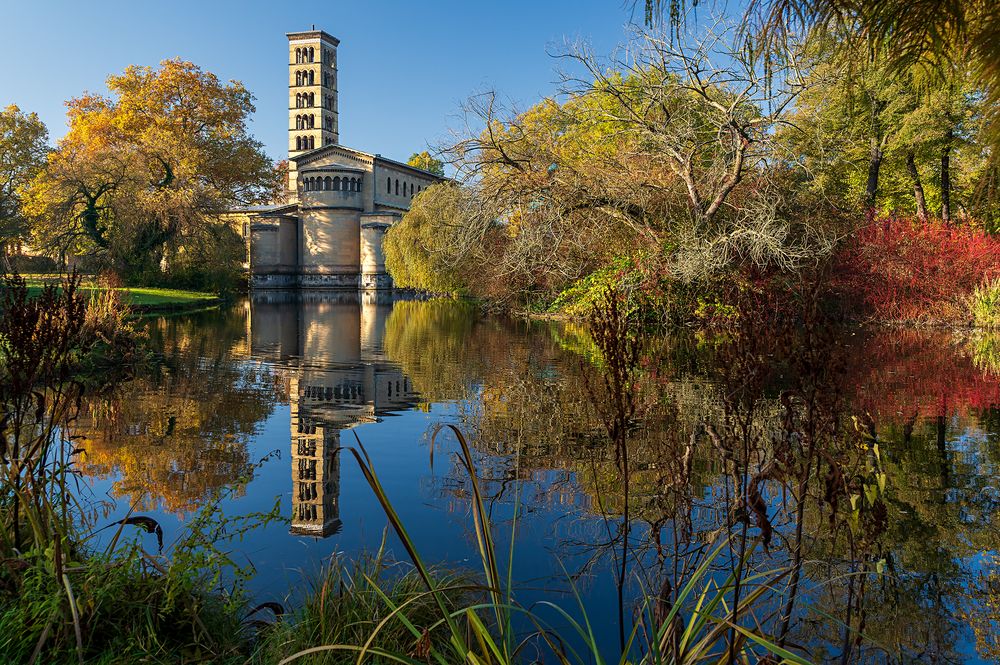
(312, 95)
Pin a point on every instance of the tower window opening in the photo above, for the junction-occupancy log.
(397, 186)
(310, 54)
(312, 77)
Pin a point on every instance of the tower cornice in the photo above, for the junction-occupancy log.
(313, 34)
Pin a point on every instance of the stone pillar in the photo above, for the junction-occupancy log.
(373, 273)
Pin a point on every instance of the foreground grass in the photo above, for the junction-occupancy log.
(354, 603)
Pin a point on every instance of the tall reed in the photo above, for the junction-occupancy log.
(496, 629)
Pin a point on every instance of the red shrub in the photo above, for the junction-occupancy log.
(899, 269)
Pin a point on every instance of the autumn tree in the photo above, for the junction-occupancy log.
(656, 151)
(424, 160)
(143, 174)
(23, 146)
(874, 136)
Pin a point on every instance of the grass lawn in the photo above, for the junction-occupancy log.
(141, 297)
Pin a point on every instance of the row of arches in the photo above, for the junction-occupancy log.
(412, 191)
(305, 99)
(307, 77)
(328, 184)
(305, 121)
(304, 54)
(305, 142)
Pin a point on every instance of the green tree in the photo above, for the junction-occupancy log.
(876, 136)
(23, 146)
(426, 249)
(143, 174)
(424, 160)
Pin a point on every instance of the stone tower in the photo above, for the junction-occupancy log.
(312, 96)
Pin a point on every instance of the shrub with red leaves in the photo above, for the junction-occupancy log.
(900, 269)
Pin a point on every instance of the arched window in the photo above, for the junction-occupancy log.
(310, 54)
(411, 189)
(312, 121)
(328, 184)
(397, 186)
(298, 143)
(336, 184)
(312, 142)
(388, 185)
(312, 78)
(298, 78)
(360, 181)
(298, 55)
(312, 99)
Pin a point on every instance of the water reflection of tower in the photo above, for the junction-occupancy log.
(331, 346)
(315, 474)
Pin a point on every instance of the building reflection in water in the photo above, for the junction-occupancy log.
(330, 345)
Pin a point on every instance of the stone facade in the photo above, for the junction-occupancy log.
(329, 233)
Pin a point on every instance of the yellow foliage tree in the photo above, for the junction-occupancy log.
(145, 171)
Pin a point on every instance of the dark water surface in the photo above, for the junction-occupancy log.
(269, 388)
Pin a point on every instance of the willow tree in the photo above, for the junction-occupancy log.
(146, 170)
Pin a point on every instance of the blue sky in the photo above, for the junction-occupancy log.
(404, 66)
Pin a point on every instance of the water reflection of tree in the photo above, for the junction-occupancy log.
(182, 430)
(757, 438)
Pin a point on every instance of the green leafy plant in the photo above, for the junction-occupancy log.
(984, 304)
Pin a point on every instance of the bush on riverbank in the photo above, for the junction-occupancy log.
(904, 269)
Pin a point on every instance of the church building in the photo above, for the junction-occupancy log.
(341, 201)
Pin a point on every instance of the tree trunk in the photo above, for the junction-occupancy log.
(874, 164)
(918, 189)
(946, 178)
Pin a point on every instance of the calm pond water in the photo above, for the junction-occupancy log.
(269, 388)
